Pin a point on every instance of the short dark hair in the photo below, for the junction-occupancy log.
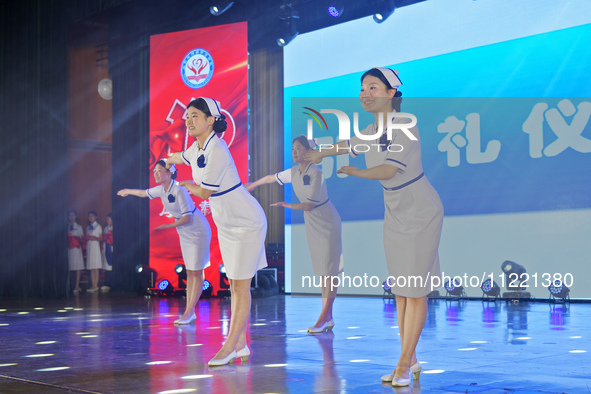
(163, 164)
(220, 125)
(302, 139)
(94, 213)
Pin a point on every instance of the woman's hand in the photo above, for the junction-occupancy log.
(161, 227)
(123, 193)
(314, 156)
(281, 204)
(249, 186)
(185, 183)
(348, 170)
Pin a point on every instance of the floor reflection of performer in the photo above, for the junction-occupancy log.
(192, 227)
(322, 222)
(240, 220)
(413, 210)
(329, 380)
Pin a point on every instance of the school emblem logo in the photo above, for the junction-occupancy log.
(197, 68)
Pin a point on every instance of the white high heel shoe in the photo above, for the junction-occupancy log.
(187, 321)
(327, 326)
(214, 362)
(243, 353)
(415, 369)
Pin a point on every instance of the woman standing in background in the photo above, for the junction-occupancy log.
(75, 258)
(94, 258)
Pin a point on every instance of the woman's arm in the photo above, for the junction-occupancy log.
(381, 172)
(196, 190)
(304, 206)
(316, 156)
(133, 192)
(176, 158)
(263, 181)
(183, 220)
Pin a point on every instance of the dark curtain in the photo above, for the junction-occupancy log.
(129, 67)
(33, 126)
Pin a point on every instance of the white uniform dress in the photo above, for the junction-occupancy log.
(94, 258)
(323, 223)
(194, 236)
(240, 220)
(413, 212)
(75, 258)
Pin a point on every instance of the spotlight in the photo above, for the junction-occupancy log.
(515, 275)
(336, 8)
(490, 288)
(207, 289)
(387, 289)
(289, 16)
(454, 289)
(182, 274)
(224, 282)
(146, 277)
(386, 9)
(558, 289)
(220, 7)
(165, 287)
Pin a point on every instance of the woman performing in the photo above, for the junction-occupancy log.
(239, 218)
(193, 229)
(413, 211)
(322, 221)
(75, 258)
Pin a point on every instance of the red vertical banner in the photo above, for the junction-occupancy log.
(210, 62)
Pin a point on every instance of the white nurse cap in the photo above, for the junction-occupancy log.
(391, 76)
(214, 107)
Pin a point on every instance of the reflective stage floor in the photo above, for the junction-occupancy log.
(108, 343)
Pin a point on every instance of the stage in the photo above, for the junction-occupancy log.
(113, 343)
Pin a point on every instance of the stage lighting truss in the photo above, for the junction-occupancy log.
(454, 289)
(219, 7)
(384, 11)
(558, 290)
(289, 29)
(490, 289)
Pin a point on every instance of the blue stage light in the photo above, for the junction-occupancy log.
(163, 284)
(558, 289)
(453, 288)
(336, 9)
(207, 289)
(490, 288)
(387, 288)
